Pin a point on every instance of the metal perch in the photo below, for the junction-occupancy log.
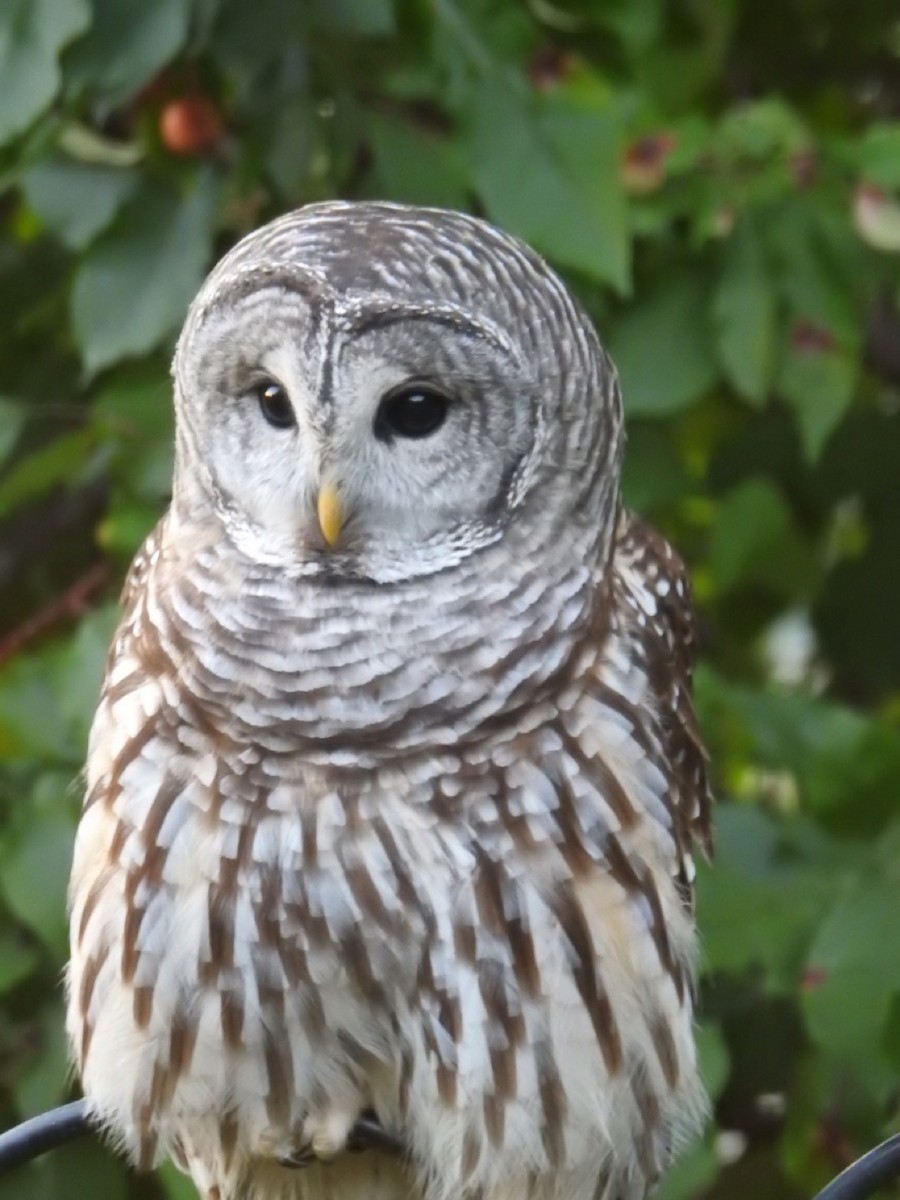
(70, 1121)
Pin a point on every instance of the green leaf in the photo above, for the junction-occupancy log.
(847, 1013)
(712, 1052)
(815, 267)
(176, 1185)
(854, 780)
(34, 872)
(744, 314)
(254, 52)
(635, 22)
(573, 207)
(762, 127)
(291, 145)
(416, 167)
(76, 201)
(854, 966)
(755, 540)
(892, 1035)
(31, 726)
(662, 349)
(43, 1082)
(362, 17)
(653, 474)
(81, 669)
(878, 154)
(124, 530)
(136, 401)
(60, 461)
(758, 906)
(128, 42)
(135, 283)
(96, 1169)
(690, 1175)
(855, 933)
(32, 35)
(12, 418)
(17, 960)
(819, 385)
(847, 763)
(135, 411)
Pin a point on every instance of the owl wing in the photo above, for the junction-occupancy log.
(654, 589)
(140, 566)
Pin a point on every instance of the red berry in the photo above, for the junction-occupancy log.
(809, 338)
(645, 162)
(548, 67)
(190, 125)
(813, 978)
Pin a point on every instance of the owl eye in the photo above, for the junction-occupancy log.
(274, 405)
(412, 410)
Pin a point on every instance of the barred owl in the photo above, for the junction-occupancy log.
(394, 779)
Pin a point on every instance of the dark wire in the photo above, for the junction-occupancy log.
(61, 1125)
(872, 1171)
(43, 1133)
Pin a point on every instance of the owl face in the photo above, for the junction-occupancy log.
(358, 394)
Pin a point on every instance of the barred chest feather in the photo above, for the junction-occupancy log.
(489, 947)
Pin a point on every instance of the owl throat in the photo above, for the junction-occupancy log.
(360, 673)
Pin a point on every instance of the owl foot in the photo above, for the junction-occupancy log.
(325, 1136)
(302, 1157)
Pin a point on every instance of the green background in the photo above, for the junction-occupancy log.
(719, 182)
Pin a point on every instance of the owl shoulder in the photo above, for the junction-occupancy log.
(141, 564)
(658, 588)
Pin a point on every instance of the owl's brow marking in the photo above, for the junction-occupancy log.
(258, 280)
(447, 316)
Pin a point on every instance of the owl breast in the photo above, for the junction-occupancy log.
(488, 949)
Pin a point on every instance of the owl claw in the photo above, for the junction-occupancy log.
(326, 1137)
(328, 1134)
(302, 1157)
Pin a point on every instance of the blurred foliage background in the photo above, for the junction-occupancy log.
(718, 180)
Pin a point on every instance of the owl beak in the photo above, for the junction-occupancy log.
(330, 513)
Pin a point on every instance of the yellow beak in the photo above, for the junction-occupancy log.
(331, 515)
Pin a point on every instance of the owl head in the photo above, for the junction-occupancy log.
(377, 391)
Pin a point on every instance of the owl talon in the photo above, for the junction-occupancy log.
(328, 1134)
(325, 1137)
(357, 1138)
(303, 1157)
